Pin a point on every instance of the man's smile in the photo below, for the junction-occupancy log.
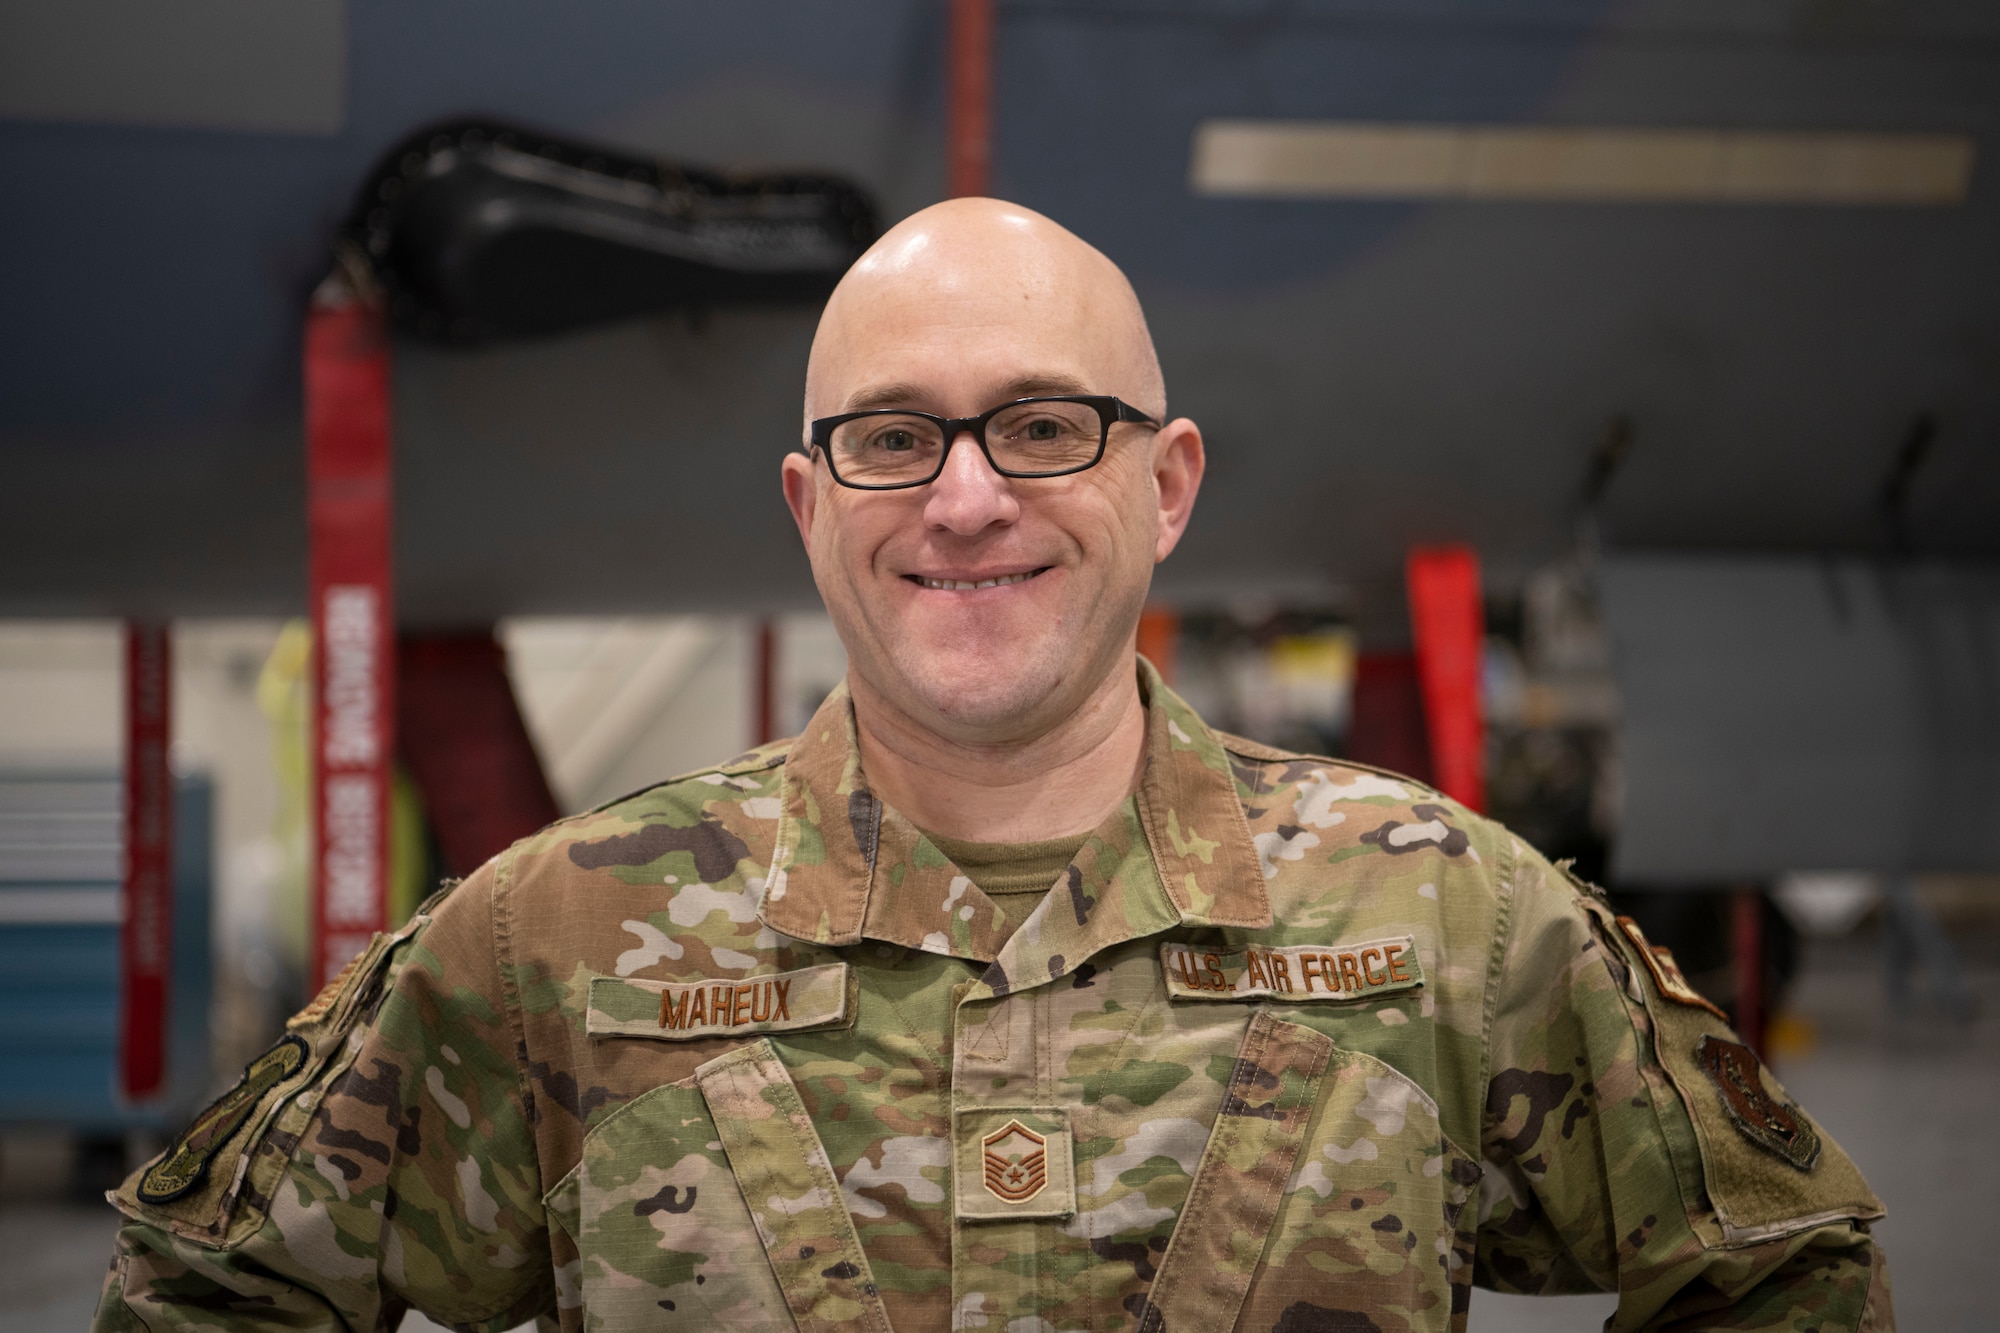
(974, 582)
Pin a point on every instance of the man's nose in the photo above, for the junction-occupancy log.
(969, 496)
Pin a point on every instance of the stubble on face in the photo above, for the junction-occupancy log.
(964, 306)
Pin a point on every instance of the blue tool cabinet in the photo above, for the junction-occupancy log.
(61, 849)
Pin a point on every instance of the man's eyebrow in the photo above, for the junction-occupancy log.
(883, 395)
(1030, 386)
(909, 395)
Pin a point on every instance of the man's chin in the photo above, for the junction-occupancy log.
(976, 693)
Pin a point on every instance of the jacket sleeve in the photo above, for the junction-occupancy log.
(1632, 1144)
(380, 1157)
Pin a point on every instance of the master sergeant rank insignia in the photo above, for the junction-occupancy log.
(1012, 1162)
(1016, 1162)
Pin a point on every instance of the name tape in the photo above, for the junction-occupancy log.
(1293, 972)
(810, 997)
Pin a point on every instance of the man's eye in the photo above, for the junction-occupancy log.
(1043, 429)
(896, 441)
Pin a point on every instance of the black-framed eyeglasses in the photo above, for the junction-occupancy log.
(890, 448)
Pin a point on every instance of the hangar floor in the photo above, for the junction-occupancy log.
(1913, 1099)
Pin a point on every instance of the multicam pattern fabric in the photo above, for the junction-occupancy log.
(1524, 1114)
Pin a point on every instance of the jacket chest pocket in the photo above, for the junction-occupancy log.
(712, 1199)
(1328, 1197)
(1371, 1219)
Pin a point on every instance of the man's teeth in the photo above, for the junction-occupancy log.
(960, 585)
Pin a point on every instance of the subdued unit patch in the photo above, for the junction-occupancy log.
(185, 1164)
(1772, 1124)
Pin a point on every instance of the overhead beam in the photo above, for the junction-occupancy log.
(1298, 159)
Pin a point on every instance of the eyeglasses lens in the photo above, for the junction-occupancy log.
(1027, 439)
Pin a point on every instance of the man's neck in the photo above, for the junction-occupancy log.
(1061, 782)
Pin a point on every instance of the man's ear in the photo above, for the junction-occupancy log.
(801, 494)
(1178, 462)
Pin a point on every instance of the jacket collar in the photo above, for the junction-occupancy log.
(847, 867)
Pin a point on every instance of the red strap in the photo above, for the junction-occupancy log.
(971, 122)
(146, 942)
(1449, 627)
(1386, 728)
(347, 505)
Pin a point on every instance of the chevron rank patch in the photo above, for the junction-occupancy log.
(1666, 972)
(1012, 1162)
(1293, 972)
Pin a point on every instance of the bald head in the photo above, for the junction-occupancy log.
(977, 605)
(1026, 304)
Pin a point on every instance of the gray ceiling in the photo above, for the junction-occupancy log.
(1370, 374)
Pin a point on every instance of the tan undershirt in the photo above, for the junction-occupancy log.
(1015, 875)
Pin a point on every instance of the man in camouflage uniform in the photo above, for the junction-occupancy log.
(1009, 996)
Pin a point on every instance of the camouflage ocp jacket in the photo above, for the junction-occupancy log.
(1291, 1045)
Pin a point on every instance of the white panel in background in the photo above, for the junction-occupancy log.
(1365, 160)
(1794, 714)
(273, 66)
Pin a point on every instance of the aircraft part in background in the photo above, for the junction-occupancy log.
(240, 65)
(1800, 714)
(480, 230)
(1577, 164)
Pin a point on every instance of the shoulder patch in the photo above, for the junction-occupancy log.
(1659, 961)
(1772, 1123)
(213, 1184)
(1740, 1114)
(185, 1165)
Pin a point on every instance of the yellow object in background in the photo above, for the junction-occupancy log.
(1314, 674)
(1790, 1036)
(410, 875)
(284, 693)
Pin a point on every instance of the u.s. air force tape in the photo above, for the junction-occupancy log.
(1293, 972)
(810, 997)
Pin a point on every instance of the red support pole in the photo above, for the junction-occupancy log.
(1387, 728)
(462, 738)
(766, 683)
(146, 941)
(348, 514)
(1160, 639)
(1747, 921)
(971, 93)
(1449, 626)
